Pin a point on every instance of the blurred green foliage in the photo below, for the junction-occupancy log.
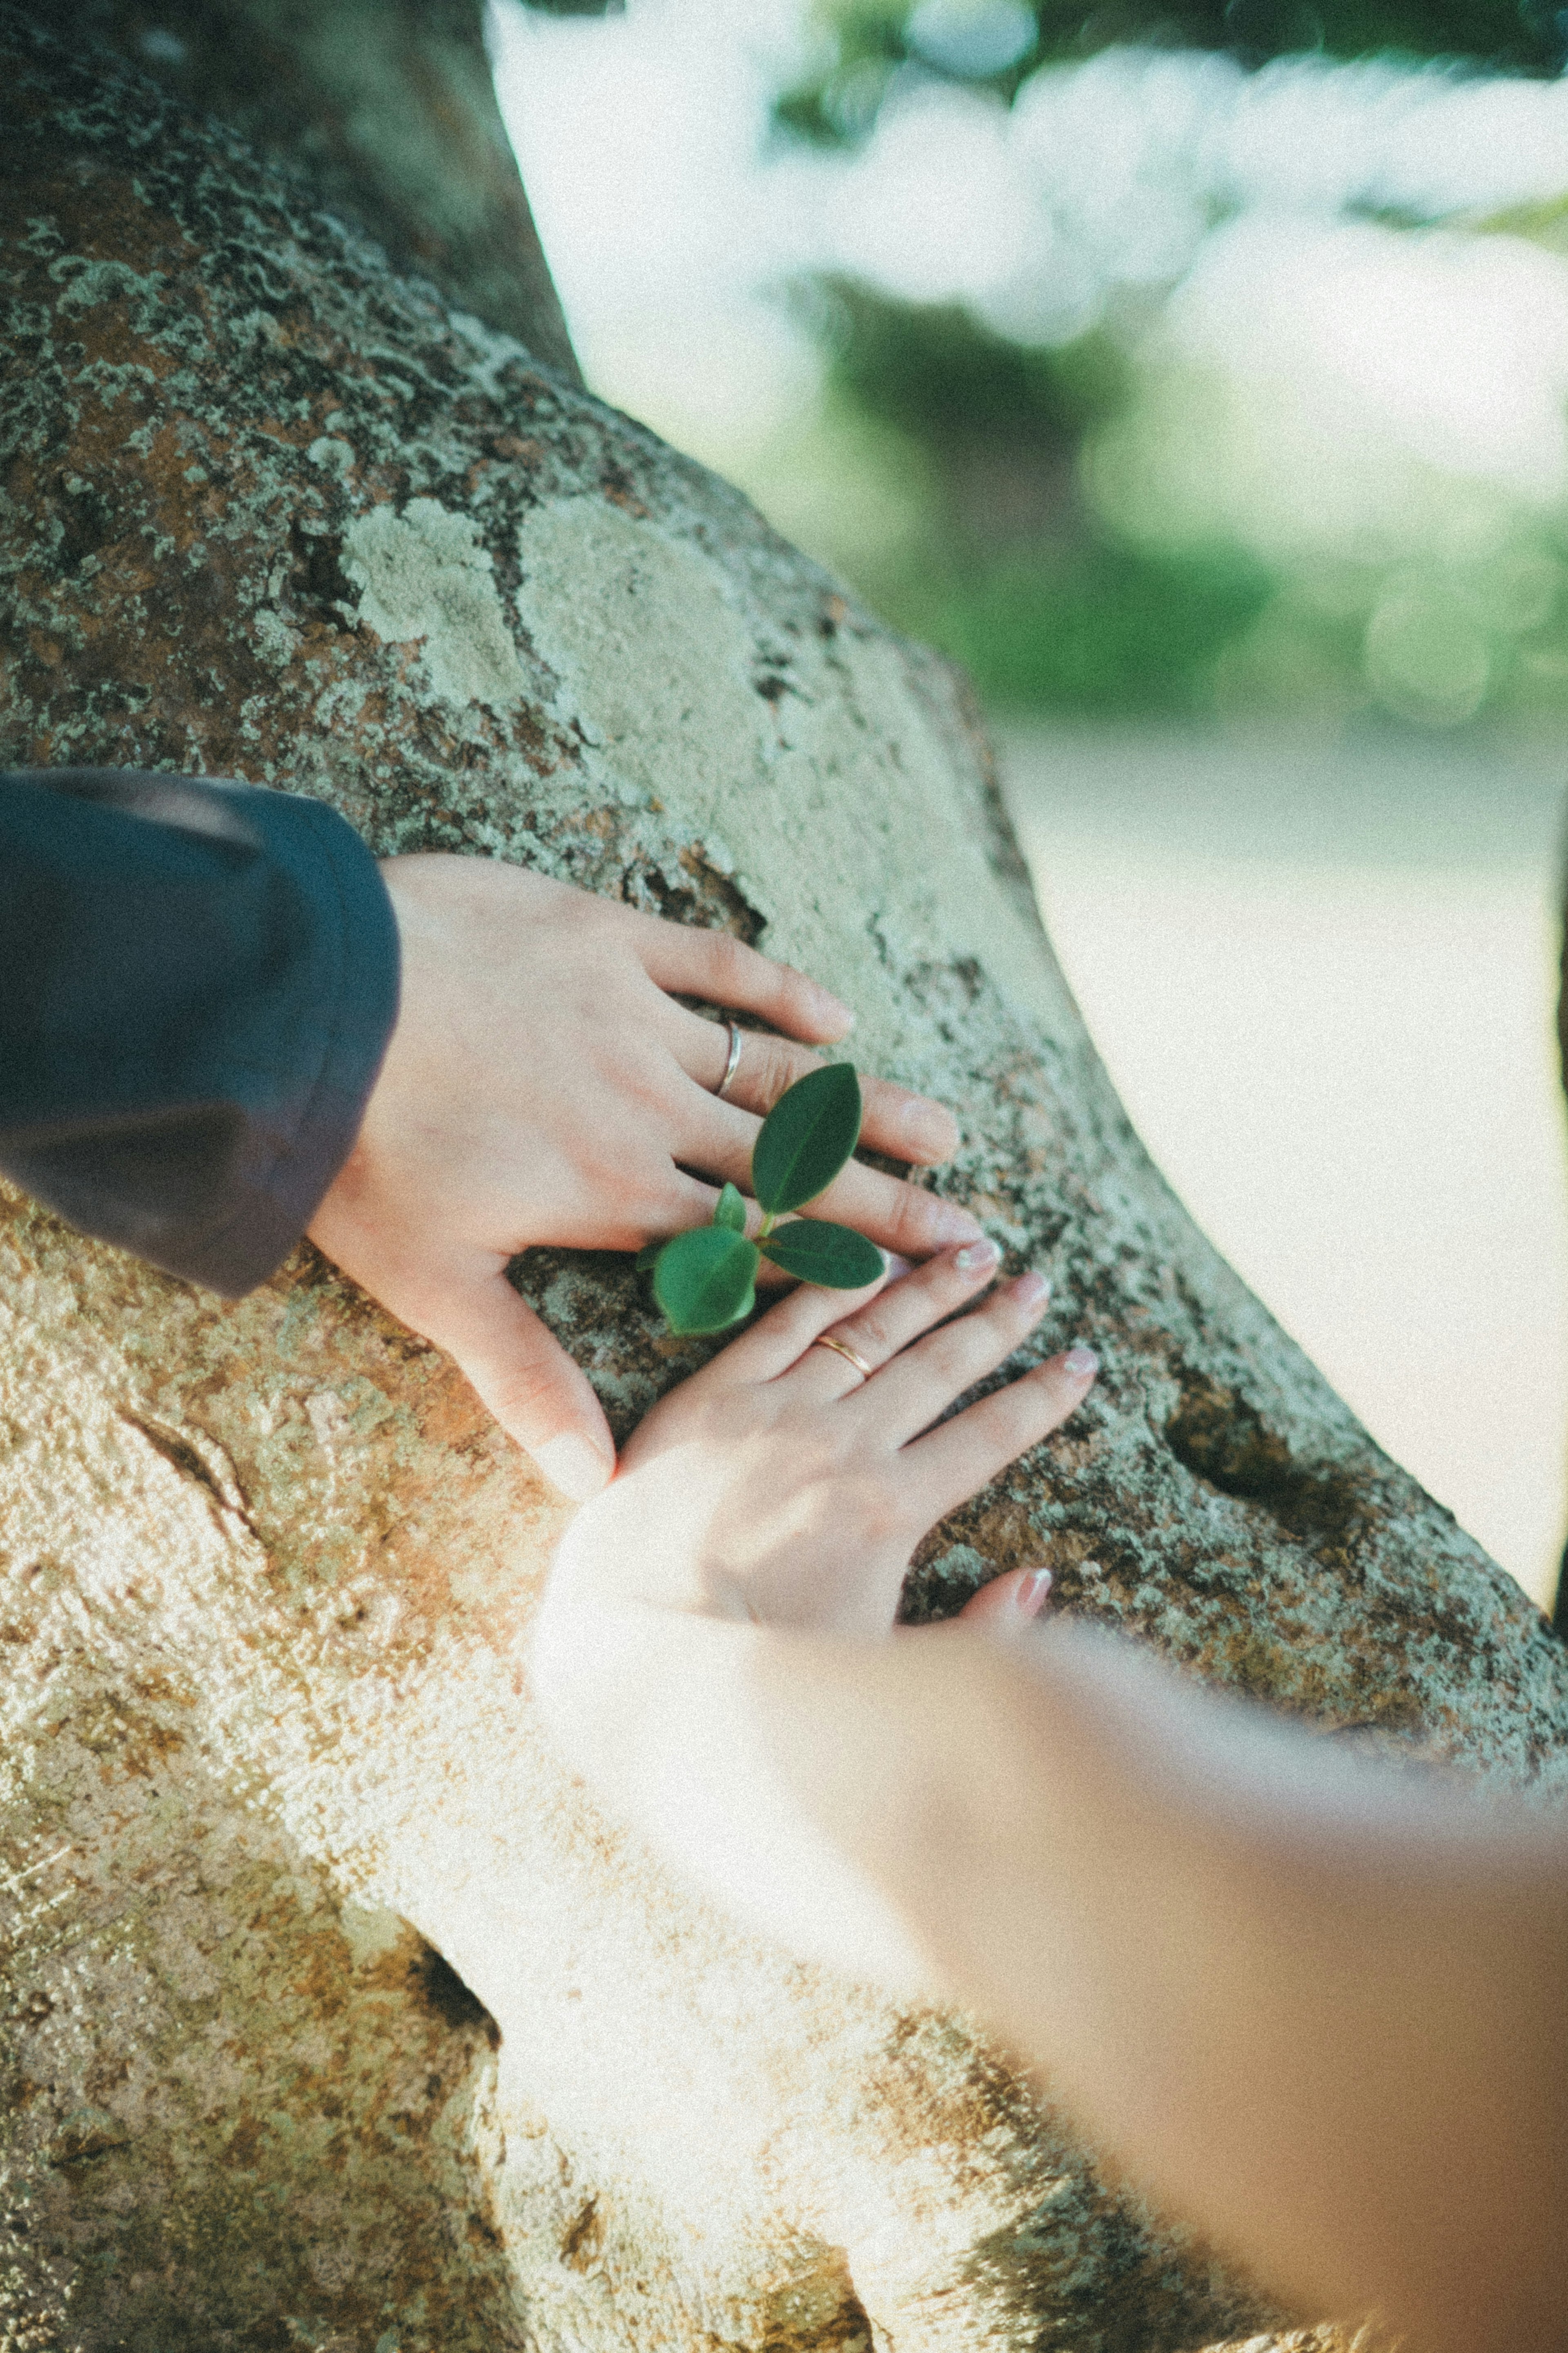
(1004, 559)
(864, 43)
(1007, 569)
(1011, 502)
(1108, 631)
(936, 370)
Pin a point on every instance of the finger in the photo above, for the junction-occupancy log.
(894, 1317)
(950, 1464)
(922, 1382)
(689, 1202)
(723, 970)
(904, 1125)
(538, 1396)
(685, 1201)
(1004, 1608)
(780, 1338)
(895, 1215)
(898, 1215)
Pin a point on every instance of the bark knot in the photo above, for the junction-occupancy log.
(1222, 1439)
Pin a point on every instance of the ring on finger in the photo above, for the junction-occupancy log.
(736, 1035)
(842, 1348)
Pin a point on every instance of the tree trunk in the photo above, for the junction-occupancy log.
(274, 1809)
(388, 109)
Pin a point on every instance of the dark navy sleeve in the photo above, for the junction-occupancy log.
(197, 983)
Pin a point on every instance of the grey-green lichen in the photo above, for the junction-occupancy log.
(269, 510)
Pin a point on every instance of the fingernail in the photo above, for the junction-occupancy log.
(1031, 1290)
(896, 1265)
(1031, 1595)
(948, 1223)
(1080, 1361)
(834, 1010)
(930, 1131)
(978, 1258)
(572, 1464)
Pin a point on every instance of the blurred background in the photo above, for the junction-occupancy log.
(1197, 374)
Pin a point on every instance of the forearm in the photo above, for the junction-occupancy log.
(1315, 2005)
(1316, 2009)
(692, 1729)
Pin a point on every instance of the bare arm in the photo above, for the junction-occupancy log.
(1315, 2004)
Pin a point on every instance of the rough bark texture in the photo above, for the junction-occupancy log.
(390, 108)
(273, 1809)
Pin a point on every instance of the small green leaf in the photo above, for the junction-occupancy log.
(806, 1138)
(835, 1256)
(648, 1257)
(729, 1209)
(705, 1278)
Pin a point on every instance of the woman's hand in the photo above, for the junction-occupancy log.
(543, 1085)
(712, 1654)
(784, 1486)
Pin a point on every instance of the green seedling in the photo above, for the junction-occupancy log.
(705, 1279)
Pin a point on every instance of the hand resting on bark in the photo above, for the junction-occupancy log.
(1312, 2001)
(543, 1085)
(204, 1051)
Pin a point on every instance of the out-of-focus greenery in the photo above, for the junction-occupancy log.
(982, 542)
(1012, 554)
(1091, 529)
(994, 44)
(990, 497)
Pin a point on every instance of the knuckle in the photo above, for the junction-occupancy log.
(774, 1066)
(910, 1216)
(728, 958)
(526, 1394)
(959, 1350)
(867, 1506)
(1030, 1407)
(871, 1333)
(1019, 1407)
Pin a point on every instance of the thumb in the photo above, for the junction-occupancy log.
(538, 1393)
(1008, 1603)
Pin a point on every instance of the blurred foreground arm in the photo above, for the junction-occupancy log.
(1314, 2004)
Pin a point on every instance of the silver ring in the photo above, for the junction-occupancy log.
(734, 1064)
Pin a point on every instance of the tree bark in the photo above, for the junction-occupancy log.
(272, 1799)
(388, 110)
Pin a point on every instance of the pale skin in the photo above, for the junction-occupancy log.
(1314, 2004)
(544, 1085)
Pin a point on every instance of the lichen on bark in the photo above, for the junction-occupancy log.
(272, 509)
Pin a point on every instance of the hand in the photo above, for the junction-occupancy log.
(542, 1086)
(780, 1485)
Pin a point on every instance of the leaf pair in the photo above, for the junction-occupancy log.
(705, 1279)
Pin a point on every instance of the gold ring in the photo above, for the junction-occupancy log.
(734, 1064)
(842, 1348)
